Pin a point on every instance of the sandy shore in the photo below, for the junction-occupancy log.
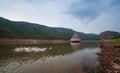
(30, 41)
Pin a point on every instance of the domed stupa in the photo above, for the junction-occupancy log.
(75, 38)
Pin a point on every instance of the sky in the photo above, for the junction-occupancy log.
(89, 16)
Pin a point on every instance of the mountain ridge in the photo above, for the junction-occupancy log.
(27, 30)
(109, 35)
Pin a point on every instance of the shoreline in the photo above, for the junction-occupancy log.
(109, 58)
(38, 41)
(32, 41)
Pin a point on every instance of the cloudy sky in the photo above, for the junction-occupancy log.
(89, 16)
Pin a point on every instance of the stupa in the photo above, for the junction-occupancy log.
(75, 38)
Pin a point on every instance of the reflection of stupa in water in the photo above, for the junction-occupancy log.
(75, 38)
(75, 45)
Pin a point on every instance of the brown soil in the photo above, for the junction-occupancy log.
(31, 41)
(109, 58)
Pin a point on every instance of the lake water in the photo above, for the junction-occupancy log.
(49, 58)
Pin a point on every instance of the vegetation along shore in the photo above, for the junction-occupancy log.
(109, 58)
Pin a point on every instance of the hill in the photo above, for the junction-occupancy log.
(109, 35)
(26, 30)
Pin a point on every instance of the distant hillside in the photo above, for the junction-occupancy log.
(109, 35)
(26, 30)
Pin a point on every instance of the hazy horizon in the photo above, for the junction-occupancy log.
(86, 16)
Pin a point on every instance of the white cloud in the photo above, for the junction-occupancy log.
(106, 21)
(53, 13)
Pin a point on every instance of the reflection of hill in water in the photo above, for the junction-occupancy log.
(84, 45)
(57, 49)
(88, 45)
(7, 52)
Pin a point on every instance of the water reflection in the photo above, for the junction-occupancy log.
(64, 58)
(75, 45)
(27, 52)
(31, 49)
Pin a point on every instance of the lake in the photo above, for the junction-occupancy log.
(49, 58)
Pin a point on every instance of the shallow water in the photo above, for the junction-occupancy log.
(48, 58)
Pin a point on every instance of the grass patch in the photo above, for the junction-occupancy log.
(114, 41)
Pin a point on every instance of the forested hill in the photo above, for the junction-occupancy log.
(109, 35)
(26, 30)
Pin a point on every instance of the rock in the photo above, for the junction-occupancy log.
(116, 66)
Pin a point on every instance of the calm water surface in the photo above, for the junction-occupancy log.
(48, 58)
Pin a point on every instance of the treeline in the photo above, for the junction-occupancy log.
(26, 30)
